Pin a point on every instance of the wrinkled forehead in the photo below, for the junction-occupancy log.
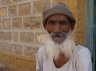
(58, 17)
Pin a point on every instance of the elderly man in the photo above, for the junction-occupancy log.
(60, 53)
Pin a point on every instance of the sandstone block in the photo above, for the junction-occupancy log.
(3, 11)
(7, 47)
(4, 2)
(18, 49)
(26, 37)
(17, 23)
(12, 10)
(40, 5)
(7, 35)
(24, 9)
(0, 24)
(6, 23)
(32, 22)
(28, 51)
(1, 35)
(15, 36)
(35, 49)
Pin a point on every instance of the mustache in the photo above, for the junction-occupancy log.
(58, 34)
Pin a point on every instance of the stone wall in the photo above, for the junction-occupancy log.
(20, 23)
(21, 30)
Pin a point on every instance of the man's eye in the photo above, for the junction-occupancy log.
(63, 22)
(51, 22)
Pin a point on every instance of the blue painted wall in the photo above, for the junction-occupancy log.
(91, 29)
(94, 35)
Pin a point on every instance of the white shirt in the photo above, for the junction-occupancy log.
(80, 61)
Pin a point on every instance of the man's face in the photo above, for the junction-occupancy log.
(58, 26)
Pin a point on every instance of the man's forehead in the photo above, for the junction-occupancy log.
(58, 17)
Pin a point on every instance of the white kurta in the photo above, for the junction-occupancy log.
(80, 61)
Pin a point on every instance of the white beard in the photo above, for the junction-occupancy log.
(67, 47)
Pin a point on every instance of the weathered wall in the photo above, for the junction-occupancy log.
(21, 32)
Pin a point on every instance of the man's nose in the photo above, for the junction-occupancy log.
(57, 28)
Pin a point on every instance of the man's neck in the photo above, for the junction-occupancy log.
(60, 61)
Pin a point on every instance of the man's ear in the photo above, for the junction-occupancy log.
(45, 26)
(72, 26)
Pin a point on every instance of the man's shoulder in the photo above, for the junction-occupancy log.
(82, 49)
(83, 53)
(42, 49)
